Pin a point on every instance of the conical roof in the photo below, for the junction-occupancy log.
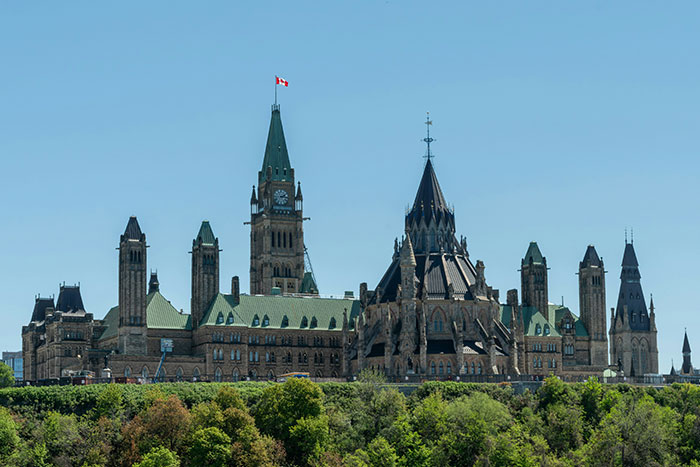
(206, 235)
(429, 202)
(133, 230)
(591, 258)
(533, 253)
(276, 155)
(686, 344)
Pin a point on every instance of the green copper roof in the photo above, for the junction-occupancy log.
(205, 235)
(308, 284)
(534, 253)
(160, 314)
(276, 155)
(281, 312)
(532, 318)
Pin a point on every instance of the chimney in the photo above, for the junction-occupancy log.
(236, 289)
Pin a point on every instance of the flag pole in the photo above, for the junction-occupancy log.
(275, 91)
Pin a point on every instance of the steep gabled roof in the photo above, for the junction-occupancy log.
(133, 230)
(276, 155)
(206, 235)
(160, 314)
(591, 258)
(534, 253)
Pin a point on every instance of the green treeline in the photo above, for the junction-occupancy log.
(367, 423)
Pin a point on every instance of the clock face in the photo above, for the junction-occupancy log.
(281, 197)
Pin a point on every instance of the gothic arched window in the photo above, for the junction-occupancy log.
(314, 322)
(285, 321)
(332, 324)
(304, 322)
(217, 375)
(432, 368)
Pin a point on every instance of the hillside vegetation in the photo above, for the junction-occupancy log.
(366, 423)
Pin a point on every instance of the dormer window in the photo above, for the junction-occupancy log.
(229, 319)
(285, 321)
(304, 322)
(256, 321)
(266, 321)
(332, 324)
(220, 318)
(538, 329)
(546, 329)
(314, 322)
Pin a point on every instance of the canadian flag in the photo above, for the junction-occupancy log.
(282, 81)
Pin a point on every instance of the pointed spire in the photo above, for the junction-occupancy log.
(276, 155)
(407, 256)
(629, 259)
(673, 370)
(299, 196)
(133, 230)
(153, 284)
(591, 258)
(430, 202)
(533, 253)
(253, 197)
(205, 235)
(686, 344)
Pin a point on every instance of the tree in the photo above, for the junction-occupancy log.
(429, 418)
(7, 378)
(381, 454)
(159, 457)
(210, 447)
(280, 406)
(308, 438)
(9, 440)
(165, 423)
(109, 402)
(229, 397)
(635, 432)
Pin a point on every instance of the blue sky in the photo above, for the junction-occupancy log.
(560, 122)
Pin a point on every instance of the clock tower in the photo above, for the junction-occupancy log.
(276, 231)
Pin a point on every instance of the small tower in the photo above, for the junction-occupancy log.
(153, 284)
(591, 288)
(687, 367)
(205, 271)
(132, 332)
(633, 329)
(408, 269)
(533, 280)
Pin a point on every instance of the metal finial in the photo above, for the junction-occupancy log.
(632, 236)
(625, 235)
(428, 139)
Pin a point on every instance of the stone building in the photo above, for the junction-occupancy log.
(632, 328)
(551, 338)
(432, 314)
(282, 326)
